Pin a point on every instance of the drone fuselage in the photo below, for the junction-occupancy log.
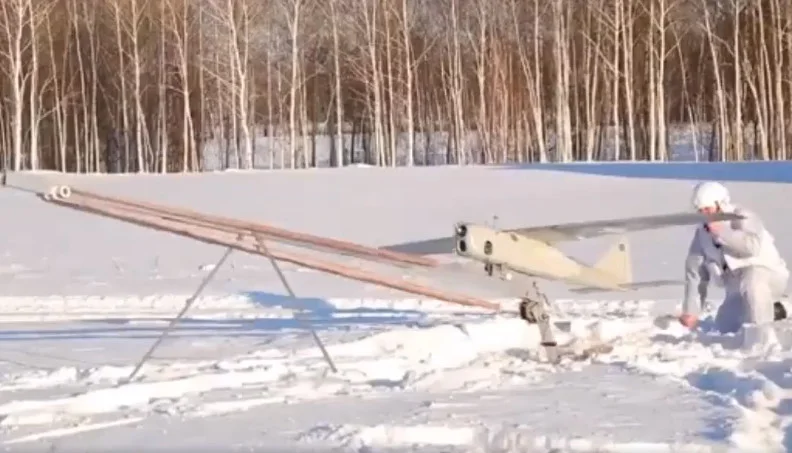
(508, 251)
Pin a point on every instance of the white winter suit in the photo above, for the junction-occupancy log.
(744, 257)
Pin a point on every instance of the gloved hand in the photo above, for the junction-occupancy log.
(689, 321)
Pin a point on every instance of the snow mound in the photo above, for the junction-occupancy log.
(458, 357)
(492, 439)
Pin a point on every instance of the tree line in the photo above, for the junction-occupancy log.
(148, 85)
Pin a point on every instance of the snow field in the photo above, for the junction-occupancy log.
(85, 297)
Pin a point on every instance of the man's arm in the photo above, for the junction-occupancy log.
(696, 277)
(743, 239)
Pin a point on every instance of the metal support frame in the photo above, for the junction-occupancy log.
(178, 317)
(190, 301)
(533, 310)
(262, 246)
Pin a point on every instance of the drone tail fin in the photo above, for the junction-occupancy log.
(617, 262)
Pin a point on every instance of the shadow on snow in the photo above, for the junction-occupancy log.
(313, 312)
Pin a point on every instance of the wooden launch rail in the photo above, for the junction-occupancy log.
(270, 232)
(245, 236)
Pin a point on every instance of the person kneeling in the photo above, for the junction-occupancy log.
(742, 253)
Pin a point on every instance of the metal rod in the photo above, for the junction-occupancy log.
(178, 317)
(263, 248)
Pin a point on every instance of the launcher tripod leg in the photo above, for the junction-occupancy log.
(533, 309)
(178, 318)
(262, 246)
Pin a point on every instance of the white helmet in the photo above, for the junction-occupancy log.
(710, 194)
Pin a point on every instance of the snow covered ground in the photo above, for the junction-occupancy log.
(84, 297)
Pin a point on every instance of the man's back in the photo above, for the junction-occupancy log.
(746, 242)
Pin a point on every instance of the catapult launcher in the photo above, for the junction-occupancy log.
(527, 252)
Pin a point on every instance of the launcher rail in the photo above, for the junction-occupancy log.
(270, 232)
(244, 236)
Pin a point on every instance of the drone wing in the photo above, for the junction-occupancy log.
(587, 230)
(570, 231)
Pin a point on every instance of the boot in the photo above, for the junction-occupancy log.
(779, 311)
